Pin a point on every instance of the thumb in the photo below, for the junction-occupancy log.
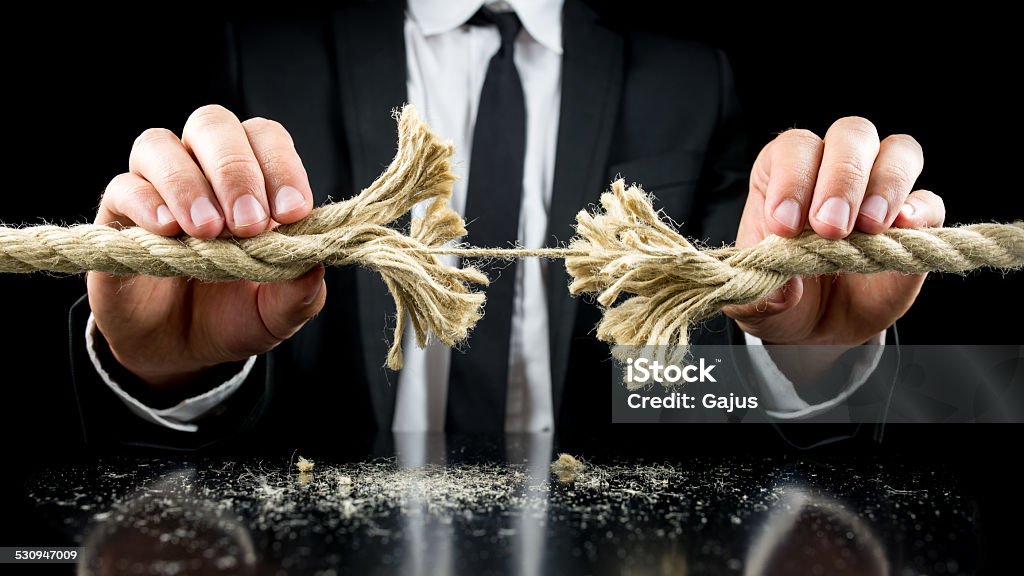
(285, 307)
(751, 316)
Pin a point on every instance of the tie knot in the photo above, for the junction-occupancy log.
(507, 22)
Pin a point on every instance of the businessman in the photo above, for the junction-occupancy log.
(546, 103)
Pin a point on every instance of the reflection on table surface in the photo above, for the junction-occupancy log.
(437, 506)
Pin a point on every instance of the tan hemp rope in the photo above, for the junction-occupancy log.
(624, 249)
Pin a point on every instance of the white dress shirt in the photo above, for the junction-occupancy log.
(447, 62)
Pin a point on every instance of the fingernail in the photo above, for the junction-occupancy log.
(875, 208)
(787, 213)
(248, 211)
(287, 199)
(163, 215)
(309, 299)
(835, 212)
(908, 210)
(203, 212)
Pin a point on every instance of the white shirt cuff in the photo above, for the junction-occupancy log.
(780, 393)
(181, 416)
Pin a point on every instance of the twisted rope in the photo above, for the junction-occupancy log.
(629, 249)
(435, 298)
(625, 249)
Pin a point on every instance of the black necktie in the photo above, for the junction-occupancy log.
(478, 379)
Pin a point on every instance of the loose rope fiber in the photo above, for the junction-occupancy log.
(435, 298)
(625, 249)
(629, 249)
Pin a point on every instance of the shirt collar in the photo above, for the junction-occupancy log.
(542, 19)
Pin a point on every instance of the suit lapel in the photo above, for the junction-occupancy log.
(592, 67)
(370, 48)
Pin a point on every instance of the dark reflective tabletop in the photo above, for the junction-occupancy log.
(438, 506)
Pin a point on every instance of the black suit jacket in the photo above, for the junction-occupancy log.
(655, 110)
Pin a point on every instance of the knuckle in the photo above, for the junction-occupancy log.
(136, 193)
(204, 116)
(278, 164)
(125, 191)
(118, 181)
(237, 172)
(259, 126)
(269, 137)
(114, 188)
(907, 148)
(898, 178)
(152, 136)
(858, 126)
(801, 136)
(796, 162)
(903, 141)
(847, 174)
(209, 112)
(932, 199)
(175, 178)
(799, 176)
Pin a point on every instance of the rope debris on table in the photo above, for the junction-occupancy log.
(625, 247)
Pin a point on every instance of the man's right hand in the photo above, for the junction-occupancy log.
(221, 177)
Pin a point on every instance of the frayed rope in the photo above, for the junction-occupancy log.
(625, 249)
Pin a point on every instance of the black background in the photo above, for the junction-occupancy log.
(79, 87)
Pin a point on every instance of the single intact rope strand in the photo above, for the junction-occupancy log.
(624, 248)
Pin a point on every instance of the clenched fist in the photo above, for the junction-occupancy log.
(846, 181)
(222, 176)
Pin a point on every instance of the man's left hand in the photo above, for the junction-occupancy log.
(847, 181)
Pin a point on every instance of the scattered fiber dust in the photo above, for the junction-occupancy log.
(379, 510)
(304, 466)
(567, 468)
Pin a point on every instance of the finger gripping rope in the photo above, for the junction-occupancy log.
(652, 282)
(435, 298)
(628, 249)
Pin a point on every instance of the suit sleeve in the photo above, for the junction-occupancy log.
(725, 176)
(107, 420)
(108, 423)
